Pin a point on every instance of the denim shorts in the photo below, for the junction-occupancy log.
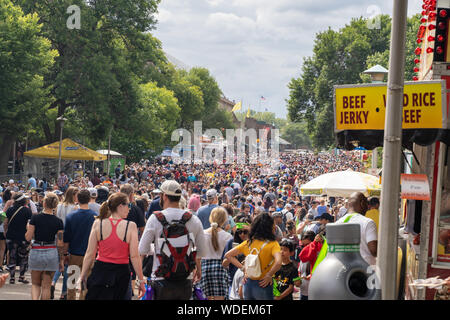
(252, 291)
(44, 259)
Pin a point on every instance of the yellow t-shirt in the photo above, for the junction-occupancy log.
(265, 256)
(373, 214)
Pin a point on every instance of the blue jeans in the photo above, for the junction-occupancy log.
(252, 291)
(56, 278)
(303, 298)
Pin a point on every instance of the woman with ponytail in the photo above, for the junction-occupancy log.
(214, 281)
(116, 241)
(46, 251)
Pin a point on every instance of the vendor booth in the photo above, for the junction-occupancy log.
(115, 159)
(43, 161)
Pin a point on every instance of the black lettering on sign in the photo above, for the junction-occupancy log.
(353, 102)
(345, 102)
(354, 117)
(414, 99)
(411, 115)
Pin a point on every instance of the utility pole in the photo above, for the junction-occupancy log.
(61, 121)
(390, 187)
(109, 150)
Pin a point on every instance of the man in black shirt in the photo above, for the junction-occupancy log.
(15, 227)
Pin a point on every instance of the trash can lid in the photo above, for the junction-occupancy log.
(343, 233)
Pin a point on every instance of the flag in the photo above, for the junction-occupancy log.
(248, 113)
(237, 106)
(262, 98)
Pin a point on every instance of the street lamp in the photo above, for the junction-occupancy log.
(377, 74)
(61, 121)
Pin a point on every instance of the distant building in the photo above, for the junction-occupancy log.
(227, 105)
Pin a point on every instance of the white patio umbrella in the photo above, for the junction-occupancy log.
(342, 184)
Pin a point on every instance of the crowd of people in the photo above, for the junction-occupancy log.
(227, 231)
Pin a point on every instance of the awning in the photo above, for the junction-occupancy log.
(111, 152)
(370, 139)
(70, 150)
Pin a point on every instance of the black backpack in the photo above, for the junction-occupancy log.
(179, 264)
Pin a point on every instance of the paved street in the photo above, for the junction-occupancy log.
(20, 291)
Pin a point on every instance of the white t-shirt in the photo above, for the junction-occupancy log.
(62, 211)
(223, 238)
(153, 230)
(341, 213)
(33, 207)
(94, 206)
(237, 282)
(313, 211)
(368, 234)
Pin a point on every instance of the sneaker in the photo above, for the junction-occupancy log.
(63, 297)
(24, 281)
(1, 269)
(52, 292)
(12, 281)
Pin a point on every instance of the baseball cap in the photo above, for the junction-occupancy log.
(309, 217)
(249, 198)
(156, 191)
(93, 192)
(58, 192)
(11, 181)
(171, 188)
(277, 214)
(211, 193)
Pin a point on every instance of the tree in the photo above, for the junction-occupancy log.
(340, 57)
(152, 125)
(296, 134)
(99, 67)
(25, 59)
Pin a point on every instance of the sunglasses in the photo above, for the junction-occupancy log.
(242, 231)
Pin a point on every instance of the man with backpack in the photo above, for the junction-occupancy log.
(179, 244)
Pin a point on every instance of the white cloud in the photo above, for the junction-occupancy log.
(254, 47)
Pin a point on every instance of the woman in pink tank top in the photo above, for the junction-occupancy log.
(112, 244)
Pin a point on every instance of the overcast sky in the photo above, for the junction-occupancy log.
(253, 48)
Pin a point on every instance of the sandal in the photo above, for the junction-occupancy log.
(52, 292)
(23, 280)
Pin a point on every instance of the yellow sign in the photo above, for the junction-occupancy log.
(363, 106)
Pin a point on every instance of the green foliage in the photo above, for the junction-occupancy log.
(296, 134)
(340, 57)
(108, 76)
(152, 124)
(25, 60)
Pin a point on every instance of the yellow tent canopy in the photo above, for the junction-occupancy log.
(70, 151)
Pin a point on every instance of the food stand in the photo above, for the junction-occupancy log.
(359, 122)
